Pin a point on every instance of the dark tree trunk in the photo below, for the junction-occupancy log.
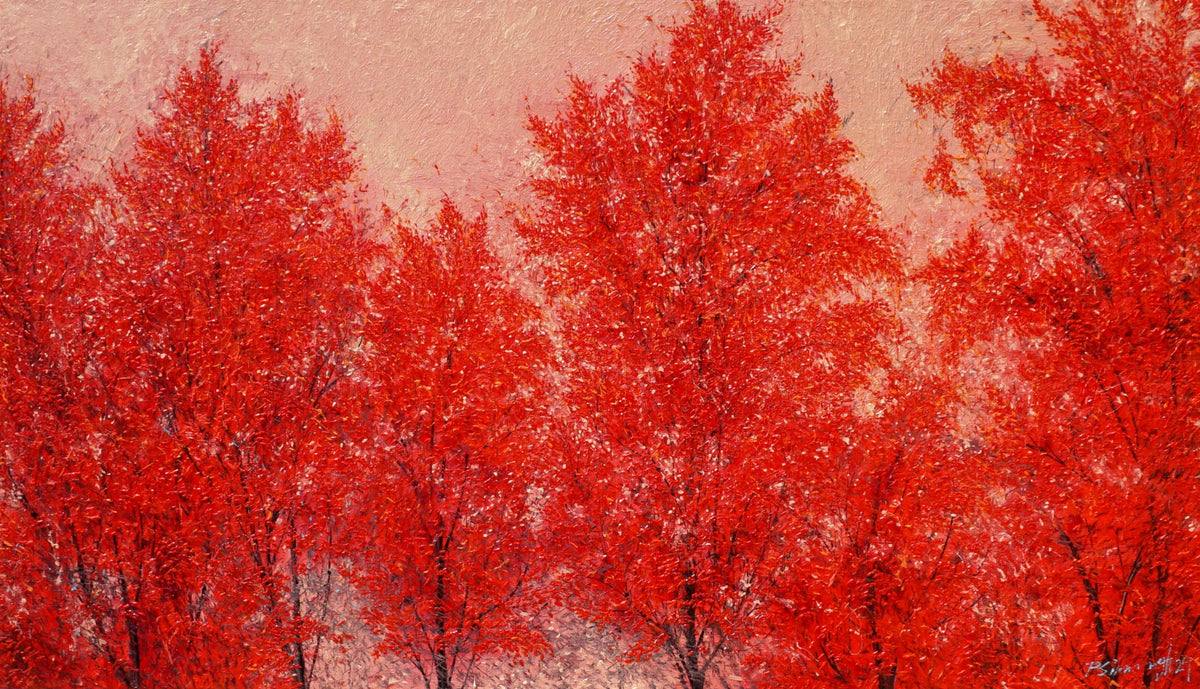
(441, 665)
(299, 666)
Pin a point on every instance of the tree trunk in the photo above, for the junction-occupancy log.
(299, 667)
(691, 672)
(131, 674)
(441, 665)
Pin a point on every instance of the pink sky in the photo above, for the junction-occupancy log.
(448, 83)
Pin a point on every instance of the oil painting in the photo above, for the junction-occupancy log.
(631, 343)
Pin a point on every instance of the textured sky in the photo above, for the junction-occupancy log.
(436, 92)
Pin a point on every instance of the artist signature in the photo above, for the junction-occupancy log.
(1167, 665)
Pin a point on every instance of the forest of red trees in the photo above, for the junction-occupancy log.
(693, 399)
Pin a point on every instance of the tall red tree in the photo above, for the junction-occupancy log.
(1080, 282)
(449, 557)
(704, 247)
(45, 249)
(223, 307)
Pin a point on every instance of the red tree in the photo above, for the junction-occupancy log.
(448, 556)
(704, 248)
(888, 591)
(222, 308)
(45, 250)
(1081, 286)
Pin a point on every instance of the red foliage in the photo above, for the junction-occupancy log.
(179, 509)
(891, 545)
(236, 275)
(45, 247)
(704, 248)
(1082, 288)
(448, 555)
